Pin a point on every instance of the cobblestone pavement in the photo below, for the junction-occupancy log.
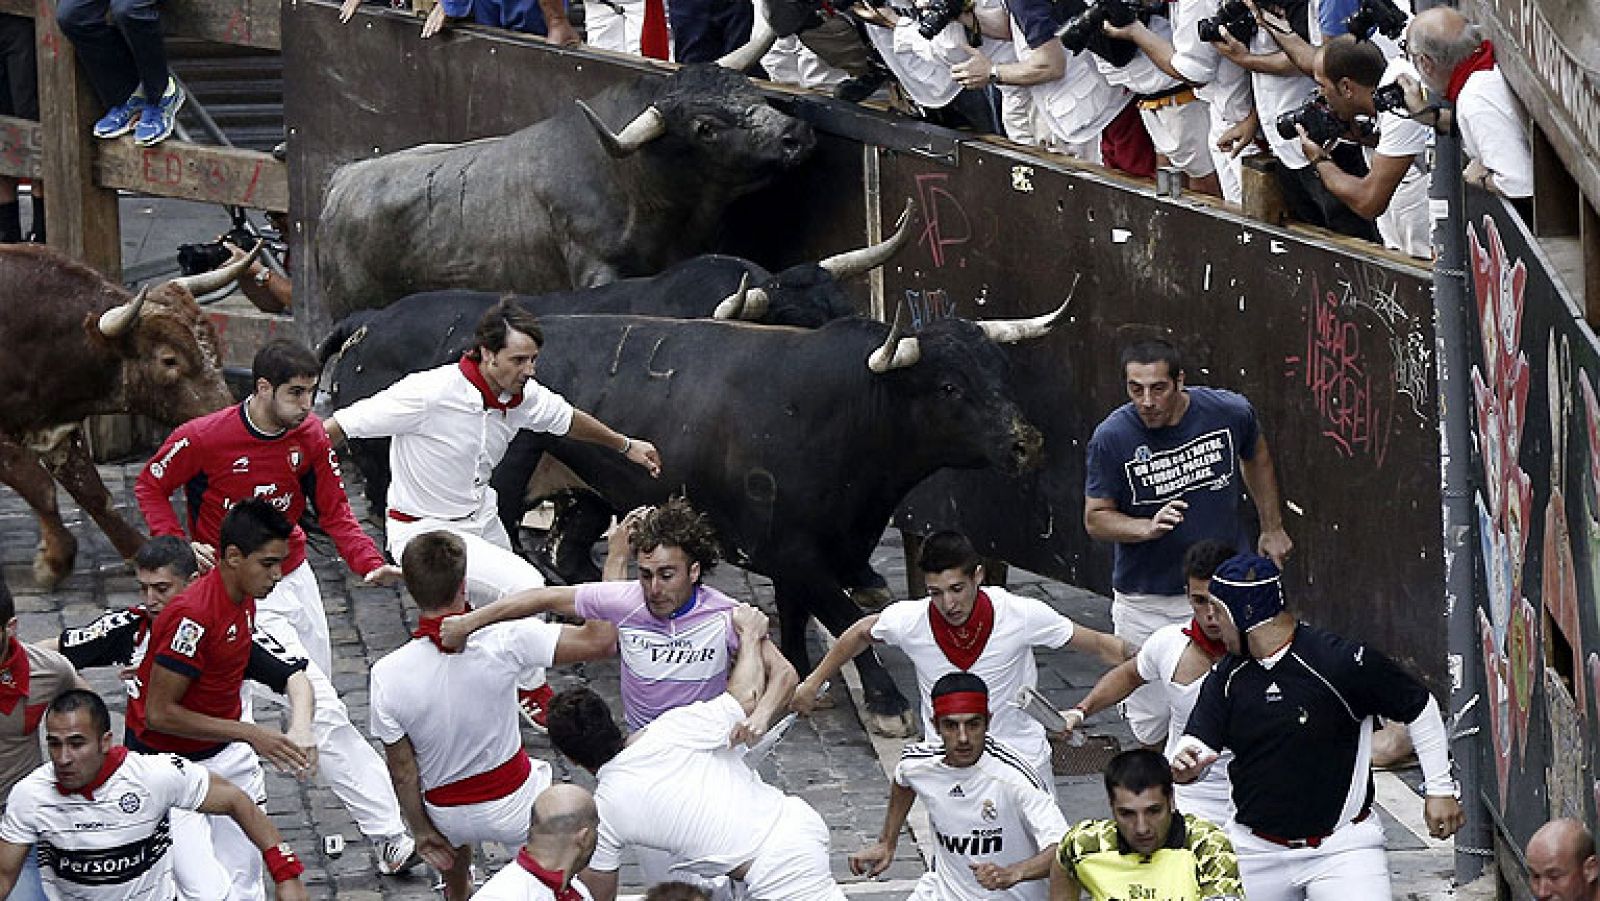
(827, 759)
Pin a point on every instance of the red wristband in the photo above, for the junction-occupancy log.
(282, 865)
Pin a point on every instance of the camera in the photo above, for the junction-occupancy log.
(1390, 98)
(1085, 26)
(194, 259)
(1316, 117)
(1235, 17)
(1376, 15)
(935, 15)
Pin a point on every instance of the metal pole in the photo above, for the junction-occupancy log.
(1453, 338)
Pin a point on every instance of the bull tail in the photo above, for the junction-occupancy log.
(347, 333)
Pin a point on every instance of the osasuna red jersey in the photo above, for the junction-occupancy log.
(205, 635)
(221, 459)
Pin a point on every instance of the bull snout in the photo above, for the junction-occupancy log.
(1027, 446)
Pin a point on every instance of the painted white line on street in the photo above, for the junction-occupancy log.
(865, 887)
(1393, 795)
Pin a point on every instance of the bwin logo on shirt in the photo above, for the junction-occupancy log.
(979, 841)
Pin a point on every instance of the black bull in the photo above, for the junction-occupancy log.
(797, 444)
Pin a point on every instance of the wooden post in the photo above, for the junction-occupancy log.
(83, 217)
(1262, 196)
(1589, 238)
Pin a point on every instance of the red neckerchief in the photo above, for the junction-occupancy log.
(1212, 648)
(14, 678)
(491, 398)
(428, 627)
(107, 767)
(552, 879)
(1479, 60)
(963, 644)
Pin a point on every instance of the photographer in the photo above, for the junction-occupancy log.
(1455, 62)
(1284, 95)
(921, 46)
(1394, 191)
(1072, 101)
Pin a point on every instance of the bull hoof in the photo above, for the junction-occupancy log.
(872, 599)
(892, 725)
(47, 573)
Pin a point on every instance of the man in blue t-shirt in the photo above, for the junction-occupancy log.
(1164, 472)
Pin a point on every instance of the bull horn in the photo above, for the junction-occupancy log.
(204, 283)
(645, 127)
(115, 322)
(762, 37)
(855, 262)
(896, 352)
(747, 303)
(1010, 331)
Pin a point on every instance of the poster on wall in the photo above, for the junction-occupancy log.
(1535, 382)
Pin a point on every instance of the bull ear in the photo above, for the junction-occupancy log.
(645, 127)
(120, 319)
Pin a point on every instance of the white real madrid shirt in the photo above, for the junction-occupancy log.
(995, 811)
(446, 440)
(114, 844)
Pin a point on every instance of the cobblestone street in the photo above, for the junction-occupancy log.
(829, 759)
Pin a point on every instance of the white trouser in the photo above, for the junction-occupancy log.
(200, 876)
(606, 28)
(792, 864)
(238, 855)
(504, 820)
(1133, 618)
(657, 866)
(1228, 165)
(1350, 864)
(493, 569)
(293, 615)
(1181, 134)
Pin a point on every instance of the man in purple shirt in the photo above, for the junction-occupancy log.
(675, 634)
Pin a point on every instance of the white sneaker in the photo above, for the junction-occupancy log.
(396, 855)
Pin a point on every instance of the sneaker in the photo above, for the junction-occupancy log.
(535, 705)
(396, 855)
(158, 119)
(120, 119)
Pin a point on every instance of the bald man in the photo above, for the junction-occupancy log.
(561, 838)
(1561, 863)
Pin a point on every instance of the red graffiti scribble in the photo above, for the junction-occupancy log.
(11, 149)
(162, 167)
(255, 176)
(1335, 371)
(941, 211)
(51, 41)
(238, 29)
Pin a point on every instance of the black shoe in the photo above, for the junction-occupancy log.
(859, 88)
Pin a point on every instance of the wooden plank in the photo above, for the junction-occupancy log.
(1589, 235)
(83, 216)
(21, 148)
(246, 23)
(194, 172)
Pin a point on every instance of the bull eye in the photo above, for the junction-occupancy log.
(950, 389)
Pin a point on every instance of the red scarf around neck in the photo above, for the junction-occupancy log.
(1479, 60)
(964, 643)
(551, 879)
(491, 397)
(1213, 648)
(14, 678)
(114, 759)
(428, 627)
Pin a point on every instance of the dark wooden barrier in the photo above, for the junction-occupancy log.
(1332, 342)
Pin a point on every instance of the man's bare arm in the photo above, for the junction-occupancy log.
(855, 639)
(401, 758)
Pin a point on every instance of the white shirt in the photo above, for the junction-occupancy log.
(1079, 105)
(513, 883)
(1005, 665)
(1141, 75)
(1220, 81)
(1211, 796)
(459, 710)
(995, 811)
(446, 442)
(922, 66)
(1405, 224)
(114, 846)
(1276, 94)
(1494, 131)
(679, 788)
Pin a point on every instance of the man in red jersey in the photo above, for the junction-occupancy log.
(272, 448)
(186, 699)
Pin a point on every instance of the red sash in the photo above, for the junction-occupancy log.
(487, 786)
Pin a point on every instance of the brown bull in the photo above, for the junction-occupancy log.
(78, 345)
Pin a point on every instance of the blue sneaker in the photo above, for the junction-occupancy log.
(119, 120)
(157, 119)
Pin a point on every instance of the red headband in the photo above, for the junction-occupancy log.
(958, 702)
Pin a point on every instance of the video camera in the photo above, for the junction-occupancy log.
(1235, 17)
(1316, 117)
(933, 15)
(1084, 27)
(1376, 15)
(1390, 98)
